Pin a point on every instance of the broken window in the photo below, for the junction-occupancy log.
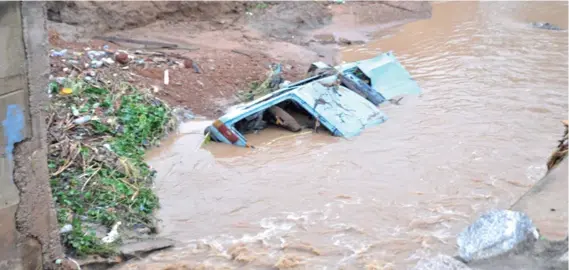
(287, 114)
(360, 75)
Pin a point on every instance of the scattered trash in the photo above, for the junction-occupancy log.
(82, 120)
(284, 84)
(108, 61)
(106, 47)
(61, 53)
(66, 228)
(494, 233)
(92, 98)
(96, 63)
(74, 110)
(93, 55)
(113, 234)
(166, 77)
(60, 80)
(196, 68)
(66, 91)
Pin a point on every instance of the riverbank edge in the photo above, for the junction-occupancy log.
(545, 202)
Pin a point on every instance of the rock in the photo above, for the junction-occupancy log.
(344, 41)
(159, 60)
(99, 230)
(141, 229)
(122, 58)
(188, 63)
(95, 262)
(325, 38)
(564, 258)
(528, 255)
(441, 262)
(494, 233)
(546, 26)
(183, 114)
(142, 248)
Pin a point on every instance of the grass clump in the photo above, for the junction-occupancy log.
(258, 89)
(98, 135)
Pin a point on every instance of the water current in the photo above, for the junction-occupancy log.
(494, 92)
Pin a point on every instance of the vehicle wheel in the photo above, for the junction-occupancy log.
(284, 119)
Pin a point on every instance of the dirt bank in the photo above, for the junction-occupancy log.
(237, 41)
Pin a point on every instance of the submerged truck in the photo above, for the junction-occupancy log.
(343, 99)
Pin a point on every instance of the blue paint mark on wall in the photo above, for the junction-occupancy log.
(13, 128)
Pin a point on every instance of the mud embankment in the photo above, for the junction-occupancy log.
(235, 41)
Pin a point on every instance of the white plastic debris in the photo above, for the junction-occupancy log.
(108, 146)
(55, 53)
(494, 233)
(96, 63)
(108, 61)
(60, 80)
(82, 120)
(93, 55)
(113, 235)
(284, 84)
(166, 77)
(66, 228)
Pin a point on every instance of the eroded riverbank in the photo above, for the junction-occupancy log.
(495, 90)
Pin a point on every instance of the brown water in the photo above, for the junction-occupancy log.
(478, 137)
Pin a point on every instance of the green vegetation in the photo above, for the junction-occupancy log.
(258, 6)
(258, 89)
(98, 174)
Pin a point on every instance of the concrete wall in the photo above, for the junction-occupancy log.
(29, 236)
(546, 203)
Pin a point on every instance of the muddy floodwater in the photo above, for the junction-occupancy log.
(494, 92)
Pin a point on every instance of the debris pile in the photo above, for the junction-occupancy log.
(273, 82)
(99, 125)
(85, 64)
